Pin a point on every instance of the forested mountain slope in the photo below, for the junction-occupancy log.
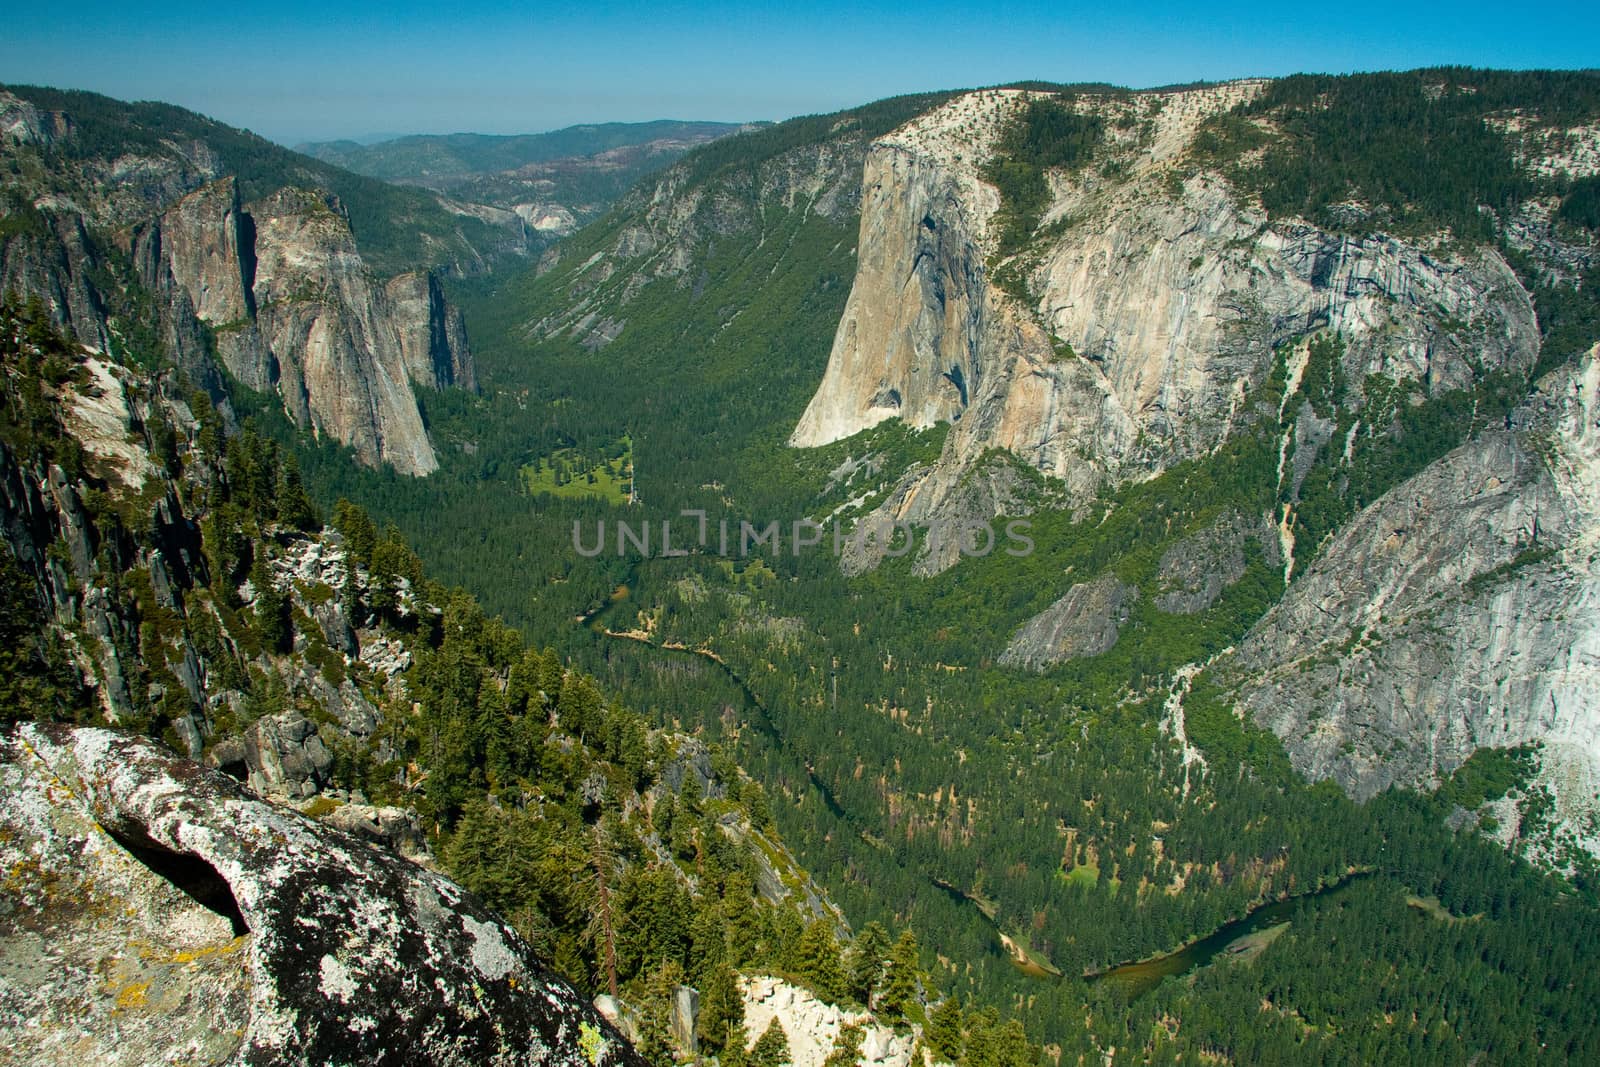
(1036, 762)
(170, 579)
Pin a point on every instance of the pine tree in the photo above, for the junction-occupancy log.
(570, 963)
(721, 1007)
(271, 608)
(708, 939)
(743, 924)
(604, 862)
(223, 546)
(755, 803)
(847, 1047)
(391, 561)
(360, 533)
(735, 1051)
(818, 965)
(899, 996)
(551, 677)
(864, 964)
(1012, 1047)
(350, 595)
(772, 1047)
(294, 506)
(785, 929)
(944, 1031)
(578, 710)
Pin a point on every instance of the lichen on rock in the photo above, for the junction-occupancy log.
(154, 911)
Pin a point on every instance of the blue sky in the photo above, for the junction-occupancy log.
(293, 71)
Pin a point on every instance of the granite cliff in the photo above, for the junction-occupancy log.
(1151, 299)
(1136, 323)
(1456, 612)
(155, 247)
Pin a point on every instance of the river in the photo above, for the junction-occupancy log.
(755, 712)
(1240, 938)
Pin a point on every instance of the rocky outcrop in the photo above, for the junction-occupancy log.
(1456, 612)
(1156, 302)
(396, 829)
(812, 1027)
(1194, 572)
(285, 757)
(1084, 622)
(208, 243)
(154, 912)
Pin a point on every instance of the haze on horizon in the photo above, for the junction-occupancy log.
(298, 72)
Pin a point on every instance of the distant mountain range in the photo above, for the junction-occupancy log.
(554, 181)
(428, 159)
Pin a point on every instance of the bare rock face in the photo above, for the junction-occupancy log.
(913, 357)
(209, 245)
(155, 912)
(954, 505)
(1194, 572)
(275, 290)
(294, 310)
(1154, 304)
(432, 334)
(55, 263)
(286, 757)
(21, 123)
(315, 300)
(1460, 610)
(1084, 622)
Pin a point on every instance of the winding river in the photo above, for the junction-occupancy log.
(1240, 938)
(756, 713)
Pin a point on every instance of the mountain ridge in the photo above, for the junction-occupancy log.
(192, 251)
(472, 153)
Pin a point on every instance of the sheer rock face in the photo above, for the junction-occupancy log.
(913, 357)
(275, 290)
(155, 912)
(1460, 610)
(432, 333)
(55, 265)
(294, 309)
(1171, 297)
(348, 378)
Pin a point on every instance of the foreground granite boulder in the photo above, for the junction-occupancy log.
(153, 911)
